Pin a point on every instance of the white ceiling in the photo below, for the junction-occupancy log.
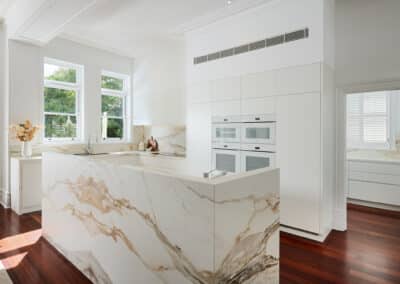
(4, 5)
(127, 26)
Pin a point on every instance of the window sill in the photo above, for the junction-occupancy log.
(63, 142)
(112, 141)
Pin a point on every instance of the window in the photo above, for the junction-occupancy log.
(62, 96)
(368, 120)
(114, 106)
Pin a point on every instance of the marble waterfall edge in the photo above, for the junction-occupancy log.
(124, 223)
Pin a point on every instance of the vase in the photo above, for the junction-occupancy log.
(26, 149)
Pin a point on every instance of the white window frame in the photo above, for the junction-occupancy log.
(126, 101)
(371, 145)
(78, 88)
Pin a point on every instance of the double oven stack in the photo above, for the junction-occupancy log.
(243, 143)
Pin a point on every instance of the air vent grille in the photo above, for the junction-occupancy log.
(265, 43)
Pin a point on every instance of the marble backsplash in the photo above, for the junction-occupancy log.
(171, 138)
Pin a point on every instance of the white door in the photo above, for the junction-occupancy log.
(226, 160)
(298, 144)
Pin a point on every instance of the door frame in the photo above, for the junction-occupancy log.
(340, 220)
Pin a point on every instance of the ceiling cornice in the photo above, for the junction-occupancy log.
(95, 44)
(215, 16)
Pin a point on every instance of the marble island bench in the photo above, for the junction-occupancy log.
(137, 219)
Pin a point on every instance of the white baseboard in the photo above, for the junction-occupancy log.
(374, 204)
(340, 220)
(314, 237)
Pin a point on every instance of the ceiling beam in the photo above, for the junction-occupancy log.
(39, 21)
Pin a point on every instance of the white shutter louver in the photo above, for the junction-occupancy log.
(367, 120)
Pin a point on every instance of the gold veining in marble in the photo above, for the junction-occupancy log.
(96, 194)
(244, 260)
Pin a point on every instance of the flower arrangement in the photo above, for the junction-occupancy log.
(25, 132)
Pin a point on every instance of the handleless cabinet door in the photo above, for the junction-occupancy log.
(259, 85)
(198, 138)
(300, 79)
(228, 108)
(225, 89)
(299, 159)
(258, 106)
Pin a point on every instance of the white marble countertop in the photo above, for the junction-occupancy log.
(26, 158)
(377, 156)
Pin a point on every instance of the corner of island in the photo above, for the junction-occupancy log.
(136, 219)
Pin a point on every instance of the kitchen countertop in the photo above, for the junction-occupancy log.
(377, 156)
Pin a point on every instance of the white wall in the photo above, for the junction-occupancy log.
(367, 41)
(3, 112)
(26, 78)
(273, 18)
(159, 84)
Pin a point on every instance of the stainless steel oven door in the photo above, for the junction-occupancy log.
(226, 160)
(259, 133)
(229, 132)
(256, 160)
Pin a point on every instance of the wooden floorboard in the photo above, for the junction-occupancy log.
(369, 252)
(28, 257)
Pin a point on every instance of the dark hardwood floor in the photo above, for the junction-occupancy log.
(369, 252)
(29, 258)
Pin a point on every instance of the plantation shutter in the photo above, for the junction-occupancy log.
(367, 120)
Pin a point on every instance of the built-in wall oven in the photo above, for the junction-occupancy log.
(226, 157)
(243, 143)
(258, 129)
(226, 129)
(256, 156)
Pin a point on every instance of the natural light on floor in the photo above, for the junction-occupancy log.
(17, 242)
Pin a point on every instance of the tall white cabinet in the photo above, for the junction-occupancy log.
(302, 98)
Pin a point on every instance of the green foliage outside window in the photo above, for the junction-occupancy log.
(115, 128)
(60, 126)
(62, 74)
(58, 100)
(113, 106)
(112, 83)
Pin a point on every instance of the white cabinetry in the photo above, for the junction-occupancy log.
(377, 182)
(225, 89)
(302, 100)
(259, 85)
(227, 108)
(300, 79)
(299, 159)
(26, 184)
(198, 138)
(258, 106)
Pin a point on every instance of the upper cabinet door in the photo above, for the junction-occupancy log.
(300, 79)
(259, 85)
(225, 89)
(258, 106)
